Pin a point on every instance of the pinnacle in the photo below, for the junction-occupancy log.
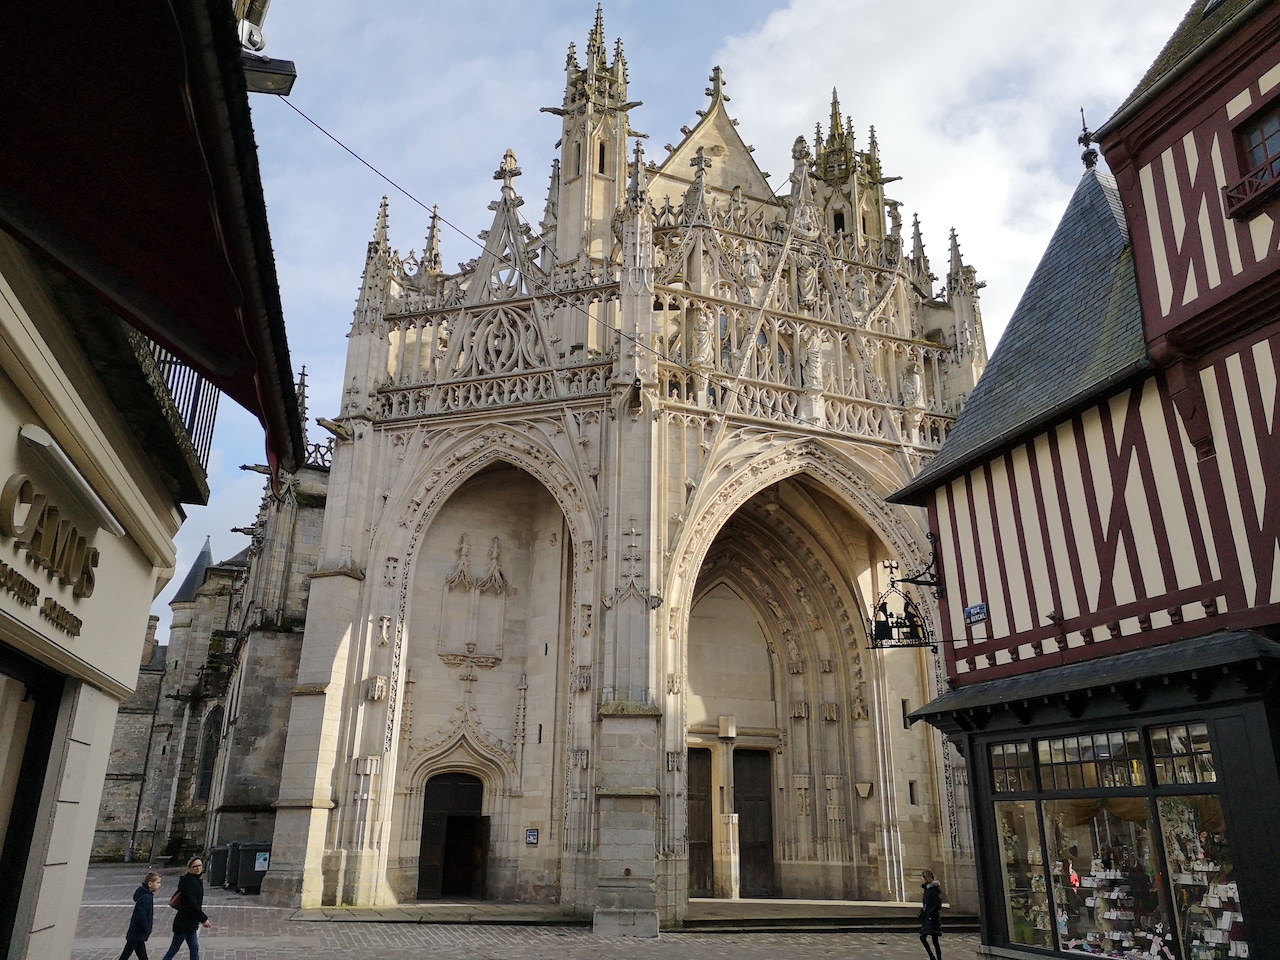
(716, 90)
(595, 42)
(380, 227)
(956, 260)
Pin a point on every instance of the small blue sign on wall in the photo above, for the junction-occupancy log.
(531, 836)
(975, 614)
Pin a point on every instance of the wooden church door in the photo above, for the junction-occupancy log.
(454, 851)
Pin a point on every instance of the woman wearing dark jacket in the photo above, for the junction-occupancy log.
(190, 917)
(931, 915)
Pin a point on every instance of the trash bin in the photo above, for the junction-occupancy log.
(217, 866)
(233, 865)
(254, 859)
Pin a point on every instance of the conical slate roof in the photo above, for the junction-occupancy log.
(1076, 333)
(195, 576)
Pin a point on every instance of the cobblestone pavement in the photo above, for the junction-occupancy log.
(245, 930)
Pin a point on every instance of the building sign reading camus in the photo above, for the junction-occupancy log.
(53, 543)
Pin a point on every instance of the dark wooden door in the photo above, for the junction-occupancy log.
(701, 876)
(480, 858)
(449, 863)
(431, 856)
(753, 803)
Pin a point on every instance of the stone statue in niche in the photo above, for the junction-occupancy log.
(812, 370)
(752, 263)
(861, 295)
(704, 333)
(807, 279)
(912, 383)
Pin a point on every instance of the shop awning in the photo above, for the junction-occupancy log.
(1198, 663)
(130, 164)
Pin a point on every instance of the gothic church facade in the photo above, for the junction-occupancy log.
(605, 530)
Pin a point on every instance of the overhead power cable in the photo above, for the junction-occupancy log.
(534, 282)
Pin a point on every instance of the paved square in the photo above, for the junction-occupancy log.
(245, 930)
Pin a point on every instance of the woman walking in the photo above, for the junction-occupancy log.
(930, 915)
(190, 906)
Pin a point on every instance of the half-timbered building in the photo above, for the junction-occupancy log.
(1108, 528)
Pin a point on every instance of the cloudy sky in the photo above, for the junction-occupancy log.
(976, 106)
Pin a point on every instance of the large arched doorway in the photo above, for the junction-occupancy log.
(489, 624)
(803, 780)
(454, 851)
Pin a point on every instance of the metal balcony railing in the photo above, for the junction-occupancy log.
(195, 398)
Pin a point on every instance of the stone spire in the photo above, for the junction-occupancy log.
(431, 246)
(834, 157)
(919, 259)
(374, 281)
(638, 183)
(302, 404)
(194, 579)
(837, 127)
(380, 244)
(592, 172)
(595, 40)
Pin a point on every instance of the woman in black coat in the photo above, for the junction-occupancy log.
(931, 915)
(190, 917)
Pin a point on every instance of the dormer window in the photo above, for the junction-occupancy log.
(837, 221)
(1258, 140)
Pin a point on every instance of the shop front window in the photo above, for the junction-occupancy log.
(1181, 754)
(1011, 767)
(1206, 898)
(1089, 761)
(1107, 895)
(1022, 867)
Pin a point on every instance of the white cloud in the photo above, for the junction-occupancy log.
(976, 106)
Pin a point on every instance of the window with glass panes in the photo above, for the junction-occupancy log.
(1115, 842)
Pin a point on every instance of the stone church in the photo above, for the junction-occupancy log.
(605, 530)
(604, 534)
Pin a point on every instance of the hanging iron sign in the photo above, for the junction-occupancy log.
(908, 628)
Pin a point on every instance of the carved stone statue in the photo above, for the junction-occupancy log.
(808, 282)
(812, 369)
(912, 383)
(704, 336)
(861, 295)
(752, 261)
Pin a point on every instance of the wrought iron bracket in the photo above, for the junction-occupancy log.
(930, 575)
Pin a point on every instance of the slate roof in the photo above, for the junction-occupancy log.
(1202, 22)
(1204, 653)
(194, 579)
(1075, 334)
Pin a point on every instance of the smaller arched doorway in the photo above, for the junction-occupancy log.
(453, 858)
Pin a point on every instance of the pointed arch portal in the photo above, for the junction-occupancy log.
(454, 850)
(786, 707)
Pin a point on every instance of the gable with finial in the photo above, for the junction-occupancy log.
(506, 270)
(716, 136)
